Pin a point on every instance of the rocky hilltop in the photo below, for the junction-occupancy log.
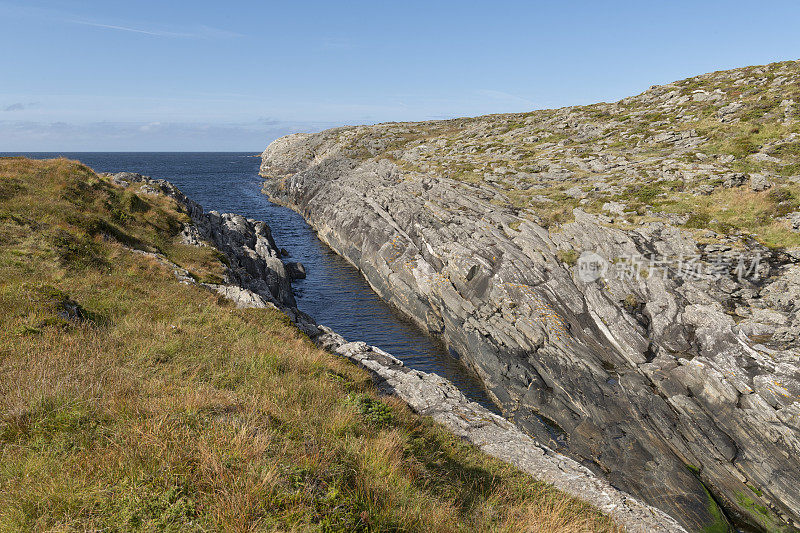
(624, 277)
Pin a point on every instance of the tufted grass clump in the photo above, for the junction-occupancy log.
(373, 410)
(180, 412)
(568, 257)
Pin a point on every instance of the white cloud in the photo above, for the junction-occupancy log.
(149, 127)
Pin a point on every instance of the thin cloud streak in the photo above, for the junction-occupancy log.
(337, 43)
(203, 32)
(132, 30)
(8, 9)
(21, 106)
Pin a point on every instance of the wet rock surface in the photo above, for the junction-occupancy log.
(681, 388)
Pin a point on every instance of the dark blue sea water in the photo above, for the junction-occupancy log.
(334, 292)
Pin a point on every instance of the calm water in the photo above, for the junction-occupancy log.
(334, 292)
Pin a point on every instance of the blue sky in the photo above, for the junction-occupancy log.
(156, 75)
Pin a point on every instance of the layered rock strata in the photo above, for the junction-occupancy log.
(652, 381)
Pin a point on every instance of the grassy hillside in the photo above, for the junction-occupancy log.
(685, 152)
(129, 401)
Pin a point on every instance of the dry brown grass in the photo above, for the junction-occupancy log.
(159, 407)
(741, 211)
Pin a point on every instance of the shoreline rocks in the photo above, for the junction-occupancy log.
(253, 259)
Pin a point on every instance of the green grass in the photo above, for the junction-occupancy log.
(720, 524)
(131, 402)
(739, 210)
(568, 257)
(763, 515)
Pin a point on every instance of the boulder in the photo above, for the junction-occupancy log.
(759, 182)
(295, 270)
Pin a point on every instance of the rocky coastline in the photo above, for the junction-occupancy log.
(258, 277)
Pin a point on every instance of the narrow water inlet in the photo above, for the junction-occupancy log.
(334, 293)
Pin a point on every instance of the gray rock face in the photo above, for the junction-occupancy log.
(794, 220)
(254, 259)
(647, 380)
(735, 179)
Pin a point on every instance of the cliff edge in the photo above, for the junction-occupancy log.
(624, 276)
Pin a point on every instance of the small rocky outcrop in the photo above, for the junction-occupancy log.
(254, 261)
(295, 270)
